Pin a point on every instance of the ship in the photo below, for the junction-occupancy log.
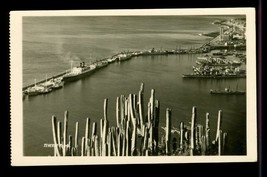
(227, 76)
(123, 57)
(101, 64)
(79, 72)
(153, 51)
(37, 90)
(227, 91)
(211, 61)
(53, 83)
(56, 83)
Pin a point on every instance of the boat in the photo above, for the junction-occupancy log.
(57, 83)
(234, 63)
(213, 61)
(111, 60)
(101, 64)
(32, 92)
(79, 72)
(227, 91)
(53, 83)
(124, 57)
(37, 90)
(228, 76)
(45, 90)
(48, 83)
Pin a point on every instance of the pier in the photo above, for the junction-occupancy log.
(120, 57)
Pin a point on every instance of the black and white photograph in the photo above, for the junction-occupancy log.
(133, 86)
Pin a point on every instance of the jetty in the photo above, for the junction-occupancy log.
(120, 57)
(137, 132)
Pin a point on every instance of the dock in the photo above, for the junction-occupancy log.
(120, 57)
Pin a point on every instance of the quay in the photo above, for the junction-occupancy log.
(120, 57)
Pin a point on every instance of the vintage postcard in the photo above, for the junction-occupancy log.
(133, 86)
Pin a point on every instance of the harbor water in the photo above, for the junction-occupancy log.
(51, 43)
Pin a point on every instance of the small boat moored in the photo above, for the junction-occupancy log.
(227, 91)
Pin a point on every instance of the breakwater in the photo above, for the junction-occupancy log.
(124, 56)
(120, 57)
(137, 132)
